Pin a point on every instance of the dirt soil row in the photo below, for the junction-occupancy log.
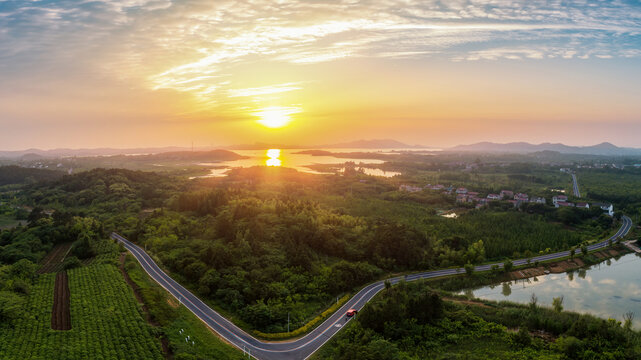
(60, 314)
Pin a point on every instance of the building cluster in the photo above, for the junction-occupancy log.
(562, 201)
(463, 195)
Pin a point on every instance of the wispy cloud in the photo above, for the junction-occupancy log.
(264, 90)
(198, 46)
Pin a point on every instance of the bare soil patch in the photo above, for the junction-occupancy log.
(53, 261)
(60, 314)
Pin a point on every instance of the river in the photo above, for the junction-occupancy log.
(289, 158)
(608, 290)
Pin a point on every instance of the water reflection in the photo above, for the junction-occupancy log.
(604, 291)
(273, 157)
(507, 290)
(292, 158)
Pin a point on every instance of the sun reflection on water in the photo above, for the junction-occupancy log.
(273, 157)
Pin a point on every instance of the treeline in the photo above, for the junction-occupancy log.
(32, 242)
(114, 196)
(13, 174)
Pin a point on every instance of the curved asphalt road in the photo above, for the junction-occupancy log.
(304, 347)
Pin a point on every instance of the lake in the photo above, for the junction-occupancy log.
(289, 158)
(608, 290)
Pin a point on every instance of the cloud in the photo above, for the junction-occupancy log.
(196, 46)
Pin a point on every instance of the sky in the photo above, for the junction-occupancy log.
(138, 73)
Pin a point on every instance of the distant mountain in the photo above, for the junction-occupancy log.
(358, 144)
(373, 144)
(211, 155)
(31, 154)
(604, 148)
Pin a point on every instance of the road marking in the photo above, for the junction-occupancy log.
(142, 256)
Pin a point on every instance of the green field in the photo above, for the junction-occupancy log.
(106, 321)
(177, 322)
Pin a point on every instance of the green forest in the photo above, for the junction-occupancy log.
(263, 243)
(268, 245)
(413, 321)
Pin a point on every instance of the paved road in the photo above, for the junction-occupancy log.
(304, 347)
(575, 184)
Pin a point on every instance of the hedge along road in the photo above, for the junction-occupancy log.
(304, 347)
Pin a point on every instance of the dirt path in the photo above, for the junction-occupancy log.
(163, 340)
(60, 314)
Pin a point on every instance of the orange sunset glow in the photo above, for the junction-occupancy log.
(222, 73)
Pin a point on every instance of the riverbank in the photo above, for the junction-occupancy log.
(570, 264)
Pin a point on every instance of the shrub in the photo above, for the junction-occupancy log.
(71, 262)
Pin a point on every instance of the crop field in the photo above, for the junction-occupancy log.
(106, 322)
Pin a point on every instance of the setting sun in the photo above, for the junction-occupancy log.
(276, 116)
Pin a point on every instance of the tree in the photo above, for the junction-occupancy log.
(557, 303)
(572, 252)
(469, 269)
(627, 320)
(508, 265)
(584, 250)
(533, 301)
(522, 337)
(23, 269)
(71, 262)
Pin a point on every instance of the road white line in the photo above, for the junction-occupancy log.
(364, 294)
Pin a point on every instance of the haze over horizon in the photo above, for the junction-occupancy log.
(150, 73)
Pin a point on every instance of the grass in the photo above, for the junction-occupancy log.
(177, 322)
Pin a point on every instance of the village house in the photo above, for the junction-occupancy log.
(563, 204)
(410, 188)
(472, 198)
(537, 200)
(521, 197)
(494, 197)
(559, 198)
(605, 207)
(507, 194)
(461, 198)
(583, 205)
(435, 187)
(461, 190)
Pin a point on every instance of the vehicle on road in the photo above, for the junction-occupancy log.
(351, 312)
